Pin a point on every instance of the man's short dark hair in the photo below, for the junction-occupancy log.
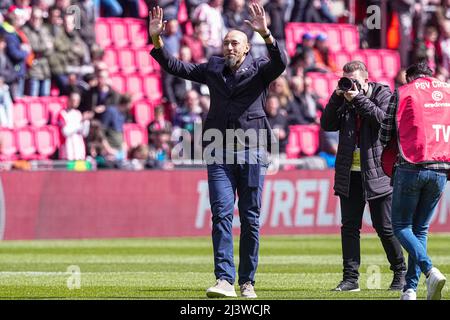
(417, 70)
(355, 65)
(125, 99)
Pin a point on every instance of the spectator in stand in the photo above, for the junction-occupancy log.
(191, 5)
(137, 158)
(7, 72)
(6, 106)
(280, 88)
(322, 56)
(159, 123)
(189, 115)
(235, 15)
(16, 51)
(328, 145)
(130, 8)
(442, 74)
(108, 8)
(26, 9)
(197, 42)
(172, 37)
(160, 151)
(98, 147)
(305, 107)
(87, 21)
(205, 104)
(444, 45)
(74, 128)
(278, 121)
(55, 23)
(112, 121)
(100, 96)
(170, 7)
(276, 11)
(211, 13)
(304, 59)
(39, 75)
(175, 88)
(71, 54)
(430, 42)
(312, 11)
(400, 78)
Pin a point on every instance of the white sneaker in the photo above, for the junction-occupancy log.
(409, 294)
(435, 282)
(248, 291)
(222, 289)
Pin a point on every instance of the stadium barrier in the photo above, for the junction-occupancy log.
(121, 204)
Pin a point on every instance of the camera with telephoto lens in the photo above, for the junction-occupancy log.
(346, 84)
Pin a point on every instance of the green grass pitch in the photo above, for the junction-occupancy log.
(291, 267)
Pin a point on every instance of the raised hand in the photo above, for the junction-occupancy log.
(156, 25)
(258, 19)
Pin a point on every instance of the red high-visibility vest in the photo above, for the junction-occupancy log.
(423, 121)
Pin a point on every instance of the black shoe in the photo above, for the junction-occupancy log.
(398, 282)
(347, 285)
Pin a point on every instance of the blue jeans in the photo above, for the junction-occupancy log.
(224, 180)
(38, 87)
(416, 193)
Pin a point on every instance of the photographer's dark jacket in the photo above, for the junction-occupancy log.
(339, 115)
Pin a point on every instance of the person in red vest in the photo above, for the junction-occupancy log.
(418, 118)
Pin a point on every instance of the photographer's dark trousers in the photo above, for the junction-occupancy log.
(224, 180)
(352, 209)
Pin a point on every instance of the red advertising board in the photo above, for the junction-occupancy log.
(121, 204)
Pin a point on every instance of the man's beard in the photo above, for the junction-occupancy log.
(231, 61)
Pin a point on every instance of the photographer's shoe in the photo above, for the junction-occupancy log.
(398, 282)
(347, 285)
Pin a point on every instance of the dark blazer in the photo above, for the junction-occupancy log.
(243, 105)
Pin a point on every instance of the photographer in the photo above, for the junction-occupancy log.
(356, 109)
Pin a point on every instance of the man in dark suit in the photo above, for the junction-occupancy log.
(238, 87)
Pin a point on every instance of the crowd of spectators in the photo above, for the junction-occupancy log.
(44, 52)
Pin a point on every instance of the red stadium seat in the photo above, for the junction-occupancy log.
(308, 138)
(8, 147)
(54, 107)
(374, 64)
(118, 82)
(153, 87)
(293, 147)
(349, 37)
(20, 114)
(38, 115)
(134, 86)
(145, 62)
(119, 34)
(102, 33)
(134, 135)
(334, 41)
(45, 141)
(137, 30)
(143, 113)
(110, 57)
(126, 61)
(391, 62)
(143, 9)
(387, 81)
(341, 58)
(25, 143)
(359, 55)
(320, 84)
